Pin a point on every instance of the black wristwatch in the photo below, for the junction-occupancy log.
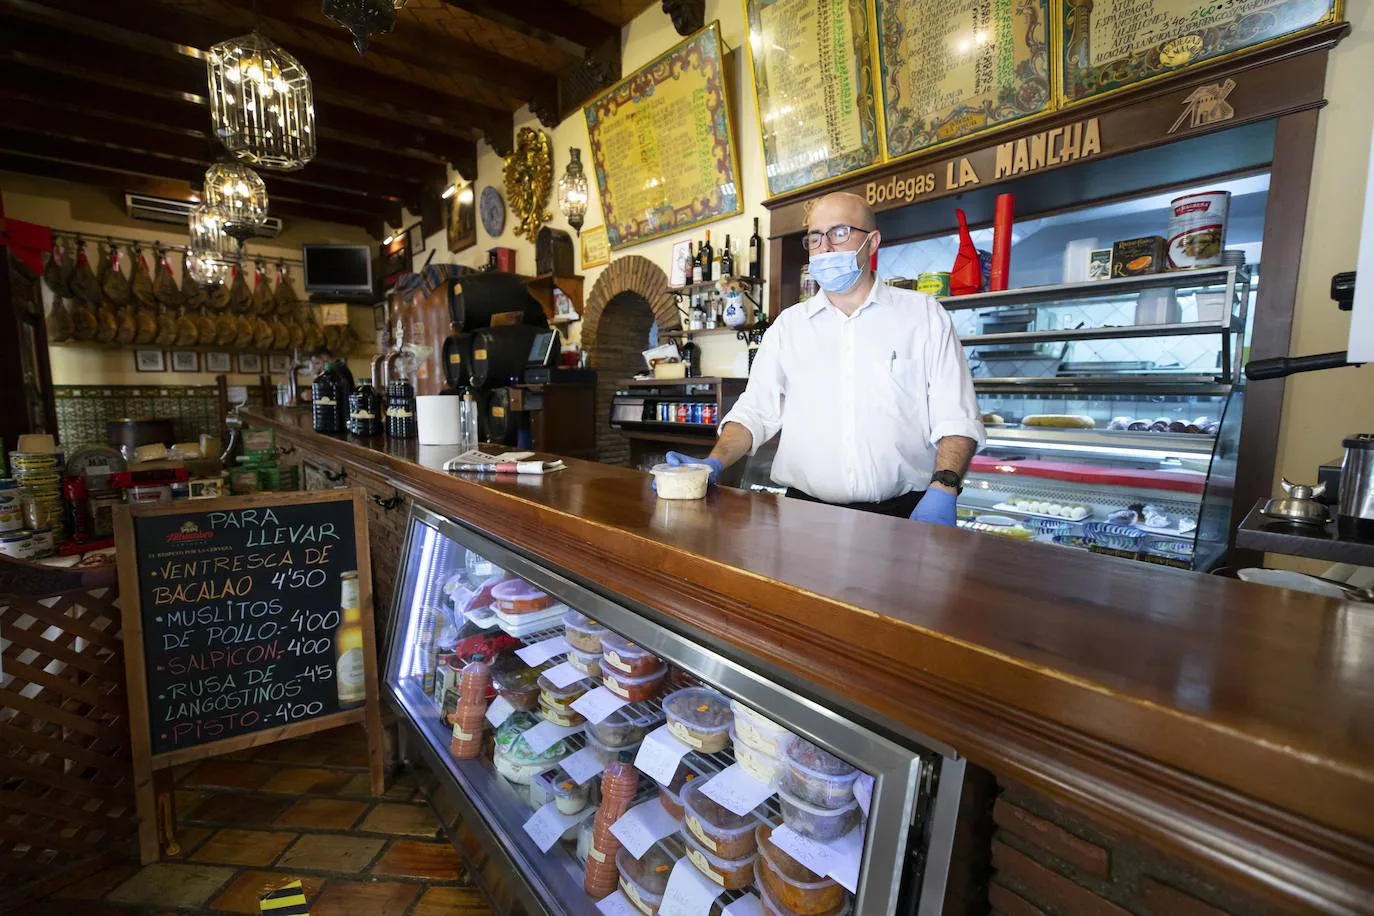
(950, 479)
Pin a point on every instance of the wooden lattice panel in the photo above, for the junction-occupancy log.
(66, 790)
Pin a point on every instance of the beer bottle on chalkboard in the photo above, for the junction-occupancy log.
(348, 645)
(325, 408)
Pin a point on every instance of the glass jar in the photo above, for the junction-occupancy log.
(40, 509)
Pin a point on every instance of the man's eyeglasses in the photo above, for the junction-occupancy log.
(837, 235)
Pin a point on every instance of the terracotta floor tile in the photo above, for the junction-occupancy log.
(299, 780)
(451, 901)
(414, 859)
(299, 751)
(97, 884)
(189, 799)
(353, 898)
(240, 810)
(322, 814)
(400, 819)
(244, 894)
(360, 784)
(229, 774)
(91, 908)
(352, 756)
(324, 852)
(233, 846)
(171, 884)
(189, 838)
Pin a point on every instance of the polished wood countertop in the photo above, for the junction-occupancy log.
(1230, 722)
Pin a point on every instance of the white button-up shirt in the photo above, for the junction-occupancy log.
(861, 401)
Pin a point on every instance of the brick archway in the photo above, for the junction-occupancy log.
(633, 274)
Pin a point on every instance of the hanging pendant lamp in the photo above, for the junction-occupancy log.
(572, 192)
(261, 105)
(363, 18)
(238, 197)
(213, 252)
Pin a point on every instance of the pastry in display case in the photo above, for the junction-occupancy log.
(601, 754)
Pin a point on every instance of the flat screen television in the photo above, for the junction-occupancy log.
(338, 270)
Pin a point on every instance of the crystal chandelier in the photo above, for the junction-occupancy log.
(261, 106)
(363, 18)
(238, 197)
(572, 192)
(212, 252)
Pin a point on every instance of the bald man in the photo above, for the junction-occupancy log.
(866, 384)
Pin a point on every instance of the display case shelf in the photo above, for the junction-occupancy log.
(1179, 329)
(1115, 289)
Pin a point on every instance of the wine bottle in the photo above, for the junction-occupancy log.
(756, 253)
(691, 355)
(706, 255)
(696, 265)
(727, 261)
(689, 265)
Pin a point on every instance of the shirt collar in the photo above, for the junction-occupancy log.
(819, 302)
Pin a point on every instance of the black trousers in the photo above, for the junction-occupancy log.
(897, 507)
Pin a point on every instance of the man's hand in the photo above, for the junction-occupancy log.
(936, 507)
(676, 458)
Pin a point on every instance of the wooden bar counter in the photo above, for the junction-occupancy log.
(1160, 740)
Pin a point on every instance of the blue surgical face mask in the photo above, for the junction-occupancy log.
(837, 271)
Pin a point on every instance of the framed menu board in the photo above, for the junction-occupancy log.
(1107, 45)
(813, 88)
(663, 145)
(953, 68)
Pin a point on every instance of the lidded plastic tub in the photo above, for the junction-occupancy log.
(715, 827)
(619, 654)
(607, 754)
(817, 823)
(772, 906)
(643, 880)
(681, 481)
(617, 731)
(755, 762)
(817, 777)
(583, 633)
(700, 718)
(730, 874)
(671, 802)
(634, 689)
(589, 663)
(794, 887)
(758, 731)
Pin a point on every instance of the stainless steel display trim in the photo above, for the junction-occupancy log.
(1104, 441)
(896, 769)
(1180, 329)
(1095, 289)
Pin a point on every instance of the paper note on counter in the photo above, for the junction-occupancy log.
(597, 704)
(689, 892)
(582, 766)
(838, 859)
(564, 675)
(545, 735)
(643, 826)
(659, 755)
(542, 651)
(617, 905)
(499, 711)
(548, 824)
(748, 905)
(734, 788)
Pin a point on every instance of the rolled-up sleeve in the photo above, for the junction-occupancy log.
(953, 405)
(759, 408)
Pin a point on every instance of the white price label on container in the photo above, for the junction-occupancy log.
(660, 755)
(545, 735)
(499, 711)
(734, 788)
(583, 765)
(689, 892)
(548, 824)
(617, 905)
(542, 651)
(597, 704)
(643, 826)
(564, 675)
(748, 905)
(838, 859)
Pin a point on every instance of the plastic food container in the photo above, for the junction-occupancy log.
(818, 823)
(584, 835)
(619, 654)
(671, 802)
(516, 596)
(514, 759)
(589, 663)
(566, 717)
(773, 905)
(634, 689)
(716, 828)
(560, 698)
(17, 544)
(731, 874)
(681, 481)
(758, 731)
(569, 796)
(583, 633)
(615, 731)
(520, 686)
(755, 762)
(643, 880)
(607, 754)
(700, 718)
(796, 888)
(817, 777)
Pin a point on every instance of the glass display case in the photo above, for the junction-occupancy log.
(517, 687)
(1112, 411)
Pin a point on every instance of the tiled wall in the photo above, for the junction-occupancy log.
(83, 410)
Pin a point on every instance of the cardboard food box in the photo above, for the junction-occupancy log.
(1135, 257)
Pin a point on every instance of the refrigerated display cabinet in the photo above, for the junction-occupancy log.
(443, 616)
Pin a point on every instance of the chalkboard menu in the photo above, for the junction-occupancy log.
(246, 620)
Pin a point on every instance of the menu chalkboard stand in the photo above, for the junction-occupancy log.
(250, 580)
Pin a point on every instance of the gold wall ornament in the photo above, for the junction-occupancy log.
(529, 179)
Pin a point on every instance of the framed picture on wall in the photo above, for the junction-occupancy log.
(677, 270)
(462, 219)
(185, 361)
(216, 361)
(415, 239)
(250, 363)
(150, 361)
(278, 363)
(595, 250)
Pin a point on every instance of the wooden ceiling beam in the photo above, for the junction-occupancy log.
(544, 20)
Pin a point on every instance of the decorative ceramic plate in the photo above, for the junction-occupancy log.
(493, 209)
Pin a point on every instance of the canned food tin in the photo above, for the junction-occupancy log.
(683, 415)
(696, 413)
(708, 414)
(17, 544)
(1197, 229)
(42, 543)
(663, 411)
(936, 283)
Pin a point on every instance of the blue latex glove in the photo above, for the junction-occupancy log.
(936, 508)
(676, 458)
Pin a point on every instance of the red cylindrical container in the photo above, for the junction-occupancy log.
(1001, 242)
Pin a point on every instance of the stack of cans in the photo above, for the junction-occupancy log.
(39, 476)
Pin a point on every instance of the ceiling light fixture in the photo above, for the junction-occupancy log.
(212, 252)
(363, 18)
(572, 192)
(262, 107)
(238, 197)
